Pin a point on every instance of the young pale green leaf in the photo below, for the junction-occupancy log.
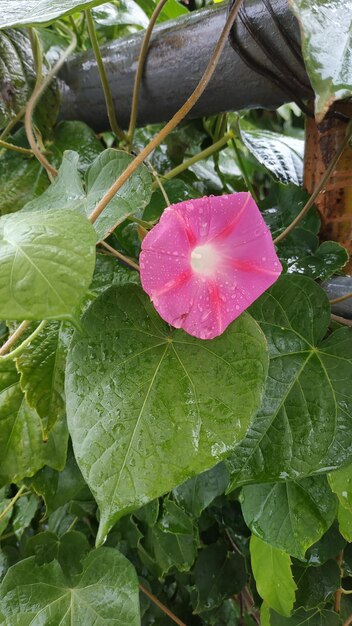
(341, 483)
(326, 33)
(144, 404)
(304, 424)
(22, 449)
(68, 191)
(280, 154)
(314, 617)
(273, 576)
(105, 593)
(46, 265)
(42, 368)
(290, 516)
(24, 511)
(316, 585)
(218, 574)
(29, 12)
(197, 493)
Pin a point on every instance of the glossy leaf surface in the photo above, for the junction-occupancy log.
(143, 403)
(53, 258)
(69, 192)
(26, 12)
(22, 449)
(326, 33)
(105, 592)
(290, 516)
(304, 423)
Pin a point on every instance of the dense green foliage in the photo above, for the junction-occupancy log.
(214, 477)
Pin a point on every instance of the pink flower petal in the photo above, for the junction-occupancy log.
(206, 261)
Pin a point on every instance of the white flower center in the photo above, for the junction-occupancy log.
(204, 259)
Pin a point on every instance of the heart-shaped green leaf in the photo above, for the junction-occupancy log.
(106, 592)
(68, 191)
(46, 265)
(290, 515)
(304, 424)
(144, 404)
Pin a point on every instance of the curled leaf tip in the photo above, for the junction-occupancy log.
(206, 261)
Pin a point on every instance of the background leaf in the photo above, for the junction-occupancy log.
(42, 368)
(22, 448)
(281, 155)
(290, 516)
(143, 408)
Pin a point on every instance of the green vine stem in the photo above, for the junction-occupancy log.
(11, 146)
(161, 606)
(244, 170)
(347, 296)
(12, 502)
(14, 337)
(120, 256)
(32, 102)
(175, 120)
(104, 79)
(140, 68)
(17, 351)
(198, 157)
(17, 118)
(319, 187)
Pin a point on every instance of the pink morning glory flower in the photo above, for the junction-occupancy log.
(206, 261)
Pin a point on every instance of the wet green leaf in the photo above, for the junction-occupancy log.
(283, 204)
(273, 576)
(341, 483)
(290, 516)
(304, 422)
(17, 73)
(35, 255)
(172, 542)
(316, 585)
(27, 12)
(314, 617)
(197, 493)
(280, 154)
(66, 487)
(143, 403)
(328, 547)
(218, 574)
(22, 449)
(344, 517)
(105, 592)
(68, 191)
(69, 550)
(24, 511)
(326, 34)
(42, 368)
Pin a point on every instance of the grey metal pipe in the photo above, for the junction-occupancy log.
(178, 54)
(336, 287)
